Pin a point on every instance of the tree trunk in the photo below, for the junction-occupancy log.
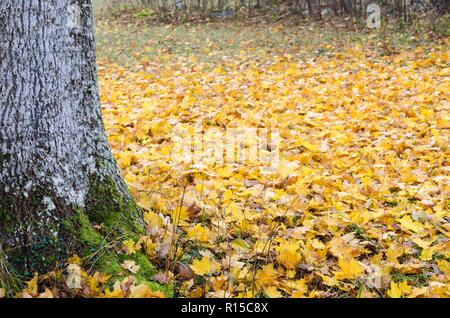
(58, 177)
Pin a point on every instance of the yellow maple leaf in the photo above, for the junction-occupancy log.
(395, 291)
(444, 265)
(143, 291)
(261, 247)
(342, 249)
(199, 233)
(421, 243)
(266, 275)
(393, 252)
(300, 288)
(409, 224)
(241, 245)
(288, 254)
(350, 269)
(151, 218)
(427, 254)
(278, 194)
(225, 172)
(180, 215)
(227, 195)
(116, 293)
(444, 71)
(75, 259)
(201, 267)
(317, 244)
(32, 285)
(46, 294)
(131, 247)
(149, 245)
(416, 292)
(272, 292)
(404, 287)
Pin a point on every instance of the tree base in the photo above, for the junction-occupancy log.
(39, 232)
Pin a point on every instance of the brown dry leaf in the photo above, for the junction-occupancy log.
(162, 278)
(193, 211)
(184, 271)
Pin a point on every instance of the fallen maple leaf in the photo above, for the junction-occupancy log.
(130, 266)
(201, 267)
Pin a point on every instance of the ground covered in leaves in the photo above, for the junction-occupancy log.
(359, 203)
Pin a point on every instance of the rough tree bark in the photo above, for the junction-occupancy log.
(58, 177)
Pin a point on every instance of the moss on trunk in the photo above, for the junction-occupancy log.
(39, 232)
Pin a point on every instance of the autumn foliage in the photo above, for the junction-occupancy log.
(358, 206)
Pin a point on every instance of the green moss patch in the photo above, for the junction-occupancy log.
(94, 232)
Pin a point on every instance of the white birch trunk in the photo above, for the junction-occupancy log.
(53, 146)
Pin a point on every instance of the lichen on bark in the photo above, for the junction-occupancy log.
(58, 177)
